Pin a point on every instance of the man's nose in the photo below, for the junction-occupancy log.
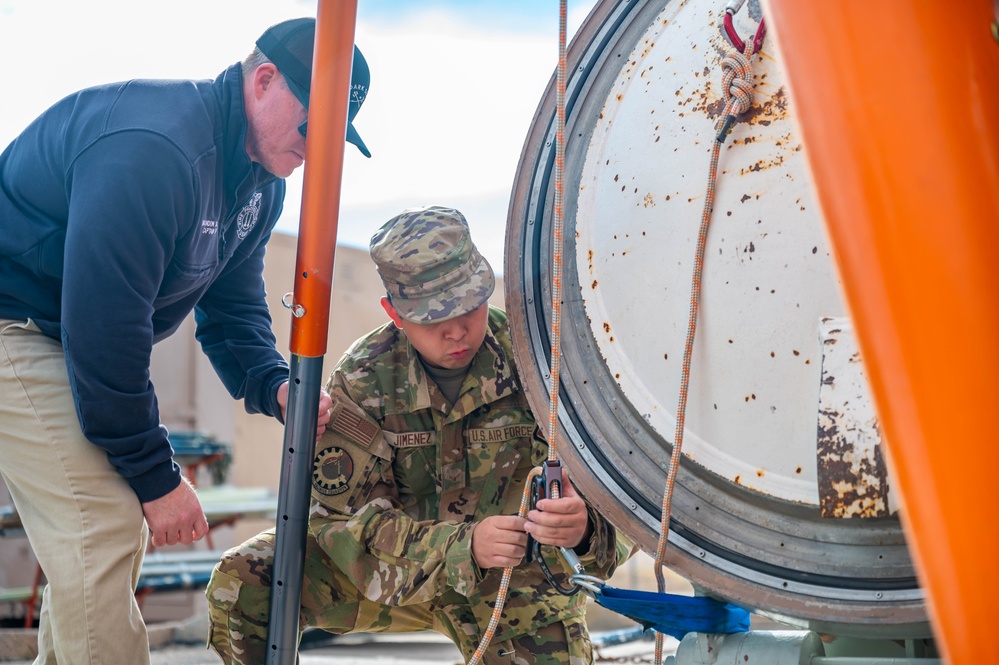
(455, 328)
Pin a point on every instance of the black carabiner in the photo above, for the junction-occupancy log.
(543, 486)
(537, 493)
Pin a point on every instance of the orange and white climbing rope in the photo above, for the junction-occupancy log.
(556, 328)
(557, 240)
(737, 84)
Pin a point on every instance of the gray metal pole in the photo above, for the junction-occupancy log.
(301, 419)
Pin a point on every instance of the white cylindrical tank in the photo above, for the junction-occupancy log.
(783, 502)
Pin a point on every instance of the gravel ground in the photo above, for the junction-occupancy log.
(409, 649)
(182, 641)
(414, 649)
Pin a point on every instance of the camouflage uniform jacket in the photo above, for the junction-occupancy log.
(401, 477)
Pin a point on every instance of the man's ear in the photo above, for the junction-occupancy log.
(264, 77)
(390, 310)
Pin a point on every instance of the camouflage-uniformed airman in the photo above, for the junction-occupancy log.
(417, 482)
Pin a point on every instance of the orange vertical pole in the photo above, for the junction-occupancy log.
(898, 105)
(324, 152)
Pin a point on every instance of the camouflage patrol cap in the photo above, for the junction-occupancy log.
(429, 265)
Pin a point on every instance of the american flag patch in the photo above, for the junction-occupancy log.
(354, 426)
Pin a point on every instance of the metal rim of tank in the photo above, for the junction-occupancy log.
(716, 527)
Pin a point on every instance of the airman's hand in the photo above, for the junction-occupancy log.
(499, 541)
(562, 522)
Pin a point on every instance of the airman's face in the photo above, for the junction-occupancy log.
(450, 344)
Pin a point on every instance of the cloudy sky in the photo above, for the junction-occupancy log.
(454, 86)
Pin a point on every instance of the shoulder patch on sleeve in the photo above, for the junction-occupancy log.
(332, 470)
(352, 422)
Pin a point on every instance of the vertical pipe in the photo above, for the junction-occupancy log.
(897, 106)
(325, 145)
(293, 511)
(324, 150)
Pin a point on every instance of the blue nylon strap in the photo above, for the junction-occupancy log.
(673, 614)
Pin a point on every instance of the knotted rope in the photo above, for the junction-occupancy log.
(737, 85)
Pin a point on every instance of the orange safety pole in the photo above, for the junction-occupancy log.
(898, 106)
(324, 151)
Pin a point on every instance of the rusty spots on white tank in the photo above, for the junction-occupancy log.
(774, 108)
(762, 165)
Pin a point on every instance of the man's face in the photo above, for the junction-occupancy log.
(274, 115)
(450, 344)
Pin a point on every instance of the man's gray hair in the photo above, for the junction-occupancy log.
(252, 61)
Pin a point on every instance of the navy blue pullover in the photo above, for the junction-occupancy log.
(122, 208)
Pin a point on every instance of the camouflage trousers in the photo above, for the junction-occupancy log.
(239, 596)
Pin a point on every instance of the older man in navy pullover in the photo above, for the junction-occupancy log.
(123, 208)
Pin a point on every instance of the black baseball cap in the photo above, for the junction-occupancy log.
(290, 45)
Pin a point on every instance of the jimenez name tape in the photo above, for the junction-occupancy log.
(480, 435)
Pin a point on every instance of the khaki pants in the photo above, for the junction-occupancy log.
(239, 608)
(82, 519)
